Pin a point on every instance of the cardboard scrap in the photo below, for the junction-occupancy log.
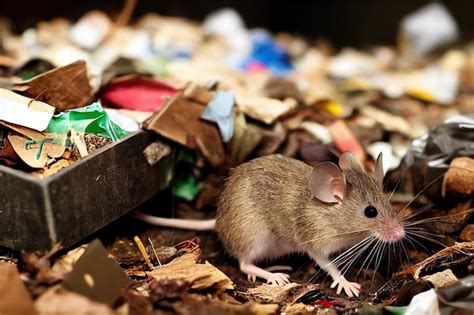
(24, 111)
(35, 153)
(179, 120)
(96, 275)
(14, 297)
(64, 88)
(188, 268)
(197, 93)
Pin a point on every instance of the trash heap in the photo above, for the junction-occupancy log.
(215, 95)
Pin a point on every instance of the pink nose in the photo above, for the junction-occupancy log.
(394, 233)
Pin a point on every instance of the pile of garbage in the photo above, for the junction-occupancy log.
(216, 95)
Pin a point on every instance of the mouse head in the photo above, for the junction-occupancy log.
(358, 196)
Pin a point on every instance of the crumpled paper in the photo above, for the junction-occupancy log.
(219, 110)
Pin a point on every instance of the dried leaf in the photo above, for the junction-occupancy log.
(187, 268)
(289, 293)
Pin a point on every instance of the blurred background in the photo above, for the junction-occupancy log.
(344, 22)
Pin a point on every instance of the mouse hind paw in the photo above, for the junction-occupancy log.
(253, 272)
(278, 279)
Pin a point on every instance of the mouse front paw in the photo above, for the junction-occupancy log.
(350, 288)
(278, 278)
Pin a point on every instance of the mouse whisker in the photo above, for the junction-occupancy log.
(406, 252)
(343, 257)
(419, 211)
(378, 258)
(357, 255)
(410, 238)
(398, 184)
(422, 191)
(368, 259)
(437, 219)
(419, 234)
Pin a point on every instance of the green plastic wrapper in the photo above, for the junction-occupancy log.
(88, 119)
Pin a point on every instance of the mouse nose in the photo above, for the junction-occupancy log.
(393, 232)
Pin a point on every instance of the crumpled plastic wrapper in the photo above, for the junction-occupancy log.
(430, 155)
(458, 299)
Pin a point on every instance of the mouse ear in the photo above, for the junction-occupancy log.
(327, 183)
(379, 169)
(348, 162)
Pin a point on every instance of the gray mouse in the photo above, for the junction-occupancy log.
(274, 205)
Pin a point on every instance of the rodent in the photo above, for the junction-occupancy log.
(275, 205)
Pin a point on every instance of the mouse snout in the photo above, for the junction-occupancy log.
(392, 232)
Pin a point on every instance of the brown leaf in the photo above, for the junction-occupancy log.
(187, 268)
(289, 293)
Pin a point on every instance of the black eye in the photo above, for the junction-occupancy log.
(370, 212)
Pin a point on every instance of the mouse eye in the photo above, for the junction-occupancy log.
(370, 212)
